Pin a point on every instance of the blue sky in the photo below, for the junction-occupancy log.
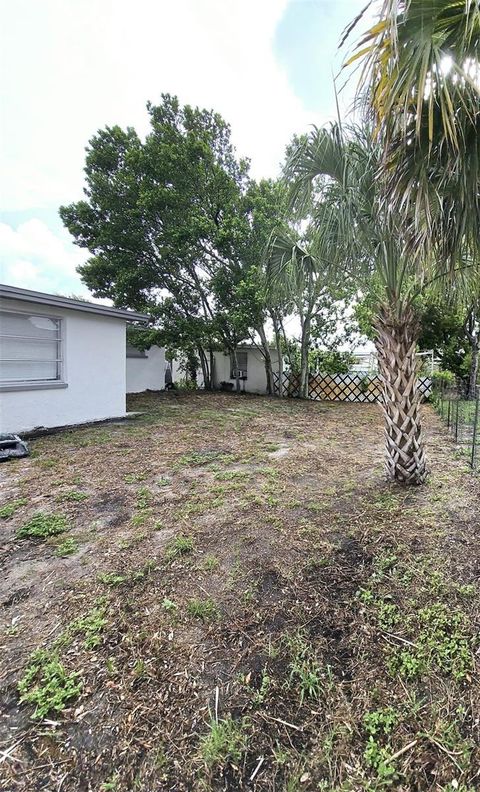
(77, 65)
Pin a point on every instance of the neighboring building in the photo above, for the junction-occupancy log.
(145, 370)
(62, 361)
(251, 364)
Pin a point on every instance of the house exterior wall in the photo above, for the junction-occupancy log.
(256, 381)
(94, 374)
(146, 373)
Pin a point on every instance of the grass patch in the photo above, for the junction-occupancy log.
(225, 742)
(205, 610)
(42, 525)
(10, 508)
(180, 546)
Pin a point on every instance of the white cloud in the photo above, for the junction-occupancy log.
(77, 66)
(33, 257)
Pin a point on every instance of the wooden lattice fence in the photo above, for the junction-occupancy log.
(352, 387)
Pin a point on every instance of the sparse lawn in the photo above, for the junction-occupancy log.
(224, 595)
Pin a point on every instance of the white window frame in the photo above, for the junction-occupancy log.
(37, 384)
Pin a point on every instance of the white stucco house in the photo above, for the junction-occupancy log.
(62, 361)
(145, 370)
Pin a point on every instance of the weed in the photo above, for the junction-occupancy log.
(199, 458)
(385, 563)
(46, 684)
(91, 625)
(112, 578)
(144, 496)
(10, 508)
(180, 546)
(111, 666)
(66, 548)
(405, 663)
(42, 525)
(305, 672)
(71, 495)
(229, 475)
(205, 610)
(168, 604)
(141, 517)
(262, 693)
(443, 639)
(226, 741)
(467, 589)
(131, 478)
(111, 785)
(387, 614)
(210, 563)
(379, 724)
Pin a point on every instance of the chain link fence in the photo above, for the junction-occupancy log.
(462, 418)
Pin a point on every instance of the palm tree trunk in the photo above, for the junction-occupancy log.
(472, 385)
(396, 343)
(278, 344)
(304, 371)
(473, 334)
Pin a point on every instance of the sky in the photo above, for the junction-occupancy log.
(71, 67)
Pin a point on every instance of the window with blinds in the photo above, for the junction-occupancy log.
(30, 348)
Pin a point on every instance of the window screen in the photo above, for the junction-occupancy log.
(242, 359)
(30, 348)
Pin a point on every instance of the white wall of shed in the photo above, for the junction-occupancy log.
(146, 373)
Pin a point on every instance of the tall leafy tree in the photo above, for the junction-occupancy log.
(161, 216)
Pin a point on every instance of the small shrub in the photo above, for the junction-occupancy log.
(10, 508)
(42, 525)
(46, 684)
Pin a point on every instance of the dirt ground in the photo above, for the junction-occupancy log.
(236, 600)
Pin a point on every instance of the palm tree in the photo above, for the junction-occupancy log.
(371, 249)
(420, 86)
(299, 268)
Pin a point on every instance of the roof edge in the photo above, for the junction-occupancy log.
(28, 295)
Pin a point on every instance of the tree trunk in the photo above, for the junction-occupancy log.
(212, 369)
(204, 366)
(396, 347)
(472, 332)
(472, 384)
(235, 368)
(278, 344)
(304, 372)
(267, 358)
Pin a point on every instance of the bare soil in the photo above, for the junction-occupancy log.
(325, 619)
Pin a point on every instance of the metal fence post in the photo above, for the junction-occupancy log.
(476, 420)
